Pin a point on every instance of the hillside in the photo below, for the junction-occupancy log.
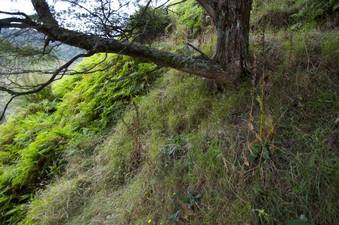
(139, 144)
(20, 52)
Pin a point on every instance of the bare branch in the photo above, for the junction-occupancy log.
(14, 22)
(198, 50)
(2, 116)
(170, 5)
(10, 73)
(15, 14)
(53, 78)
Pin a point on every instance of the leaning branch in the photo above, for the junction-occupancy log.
(202, 67)
(48, 26)
(94, 43)
(61, 70)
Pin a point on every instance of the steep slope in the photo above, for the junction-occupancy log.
(34, 142)
(257, 154)
(180, 151)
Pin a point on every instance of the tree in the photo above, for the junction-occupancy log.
(107, 34)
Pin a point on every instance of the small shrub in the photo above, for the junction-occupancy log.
(192, 16)
(148, 25)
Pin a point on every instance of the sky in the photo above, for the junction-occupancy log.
(16, 5)
(25, 5)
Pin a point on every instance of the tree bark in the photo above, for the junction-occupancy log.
(231, 20)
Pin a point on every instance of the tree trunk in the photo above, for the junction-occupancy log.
(230, 17)
(231, 21)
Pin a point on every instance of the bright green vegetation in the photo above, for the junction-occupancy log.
(109, 148)
(192, 16)
(34, 142)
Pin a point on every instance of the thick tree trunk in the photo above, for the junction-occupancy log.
(231, 21)
(232, 26)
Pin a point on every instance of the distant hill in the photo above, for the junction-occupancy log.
(28, 39)
(36, 40)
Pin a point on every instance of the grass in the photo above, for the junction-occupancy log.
(261, 153)
(196, 166)
(33, 143)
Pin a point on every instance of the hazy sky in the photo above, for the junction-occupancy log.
(25, 5)
(16, 5)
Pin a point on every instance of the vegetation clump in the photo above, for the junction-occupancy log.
(149, 24)
(315, 9)
(192, 16)
(34, 142)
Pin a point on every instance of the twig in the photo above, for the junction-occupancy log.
(2, 116)
(198, 50)
(63, 69)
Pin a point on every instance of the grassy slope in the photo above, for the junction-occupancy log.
(264, 154)
(258, 154)
(33, 144)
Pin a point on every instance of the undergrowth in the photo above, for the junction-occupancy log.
(265, 152)
(262, 153)
(78, 108)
